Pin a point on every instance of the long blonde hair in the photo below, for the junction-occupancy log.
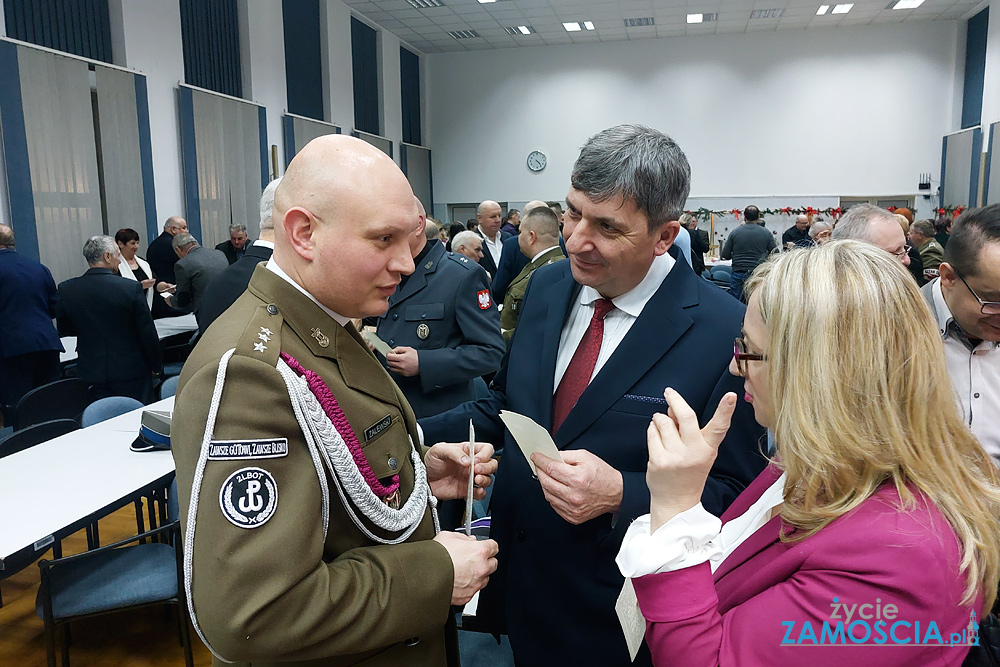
(862, 397)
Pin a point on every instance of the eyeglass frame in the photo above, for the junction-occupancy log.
(741, 356)
(983, 305)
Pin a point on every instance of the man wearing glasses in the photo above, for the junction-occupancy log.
(966, 303)
(875, 225)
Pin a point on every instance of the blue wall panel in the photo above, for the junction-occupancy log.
(15, 148)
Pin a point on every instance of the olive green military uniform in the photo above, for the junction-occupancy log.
(267, 586)
(931, 254)
(515, 292)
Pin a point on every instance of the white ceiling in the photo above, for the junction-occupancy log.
(427, 29)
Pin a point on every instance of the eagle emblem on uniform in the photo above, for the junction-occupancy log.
(484, 299)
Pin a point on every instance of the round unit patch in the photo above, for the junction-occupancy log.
(249, 497)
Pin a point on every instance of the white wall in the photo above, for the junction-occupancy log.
(848, 111)
(152, 33)
(991, 91)
(392, 111)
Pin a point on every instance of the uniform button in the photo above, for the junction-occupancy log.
(412, 641)
(395, 316)
(393, 463)
(424, 316)
(272, 309)
(521, 537)
(976, 395)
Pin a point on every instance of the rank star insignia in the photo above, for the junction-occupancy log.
(264, 337)
(266, 331)
(259, 347)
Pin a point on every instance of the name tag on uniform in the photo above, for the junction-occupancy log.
(239, 450)
(375, 430)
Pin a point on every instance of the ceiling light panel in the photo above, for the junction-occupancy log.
(823, 9)
(907, 4)
(695, 18)
(766, 13)
(425, 4)
(572, 26)
(520, 30)
(463, 34)
(589, 25)
(639, 22)
(842, 9)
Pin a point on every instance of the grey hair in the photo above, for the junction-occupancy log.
(183, 240)
(635, 163)
(924, 228)
(96, 247)
(686, 219)
(856, 223)
(172, 222)
(464, 239)
(431, 230)
(237, 227)
(267, 205)
(818, 227)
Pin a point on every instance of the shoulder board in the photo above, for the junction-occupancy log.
(261, 339)
(461, 260)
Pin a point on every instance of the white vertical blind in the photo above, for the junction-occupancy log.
(120, 159)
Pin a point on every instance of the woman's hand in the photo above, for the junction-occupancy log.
(681, 455)
(148, 282)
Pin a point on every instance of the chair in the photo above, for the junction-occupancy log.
(115, 578)
(106, 408)
(721, 276)
(62, 399)
(169, 386)
(35, 435)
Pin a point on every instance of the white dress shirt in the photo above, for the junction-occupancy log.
(975, 374)
(693, 537)
(273, 267)
(263, 243)
(494, 246)
(617, 322)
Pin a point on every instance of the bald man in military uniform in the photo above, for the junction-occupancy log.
(539, 243)
(306, 499)
(443, 327)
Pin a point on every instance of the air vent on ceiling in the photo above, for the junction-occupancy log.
(425, 4)
(520, 30)
(701, 18)
(766, 13)
(636, 23)
(463, 34)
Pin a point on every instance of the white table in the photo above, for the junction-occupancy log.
(165, 328)
(58, 487)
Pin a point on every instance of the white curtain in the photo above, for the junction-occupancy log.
(305, 130)
(381, 143)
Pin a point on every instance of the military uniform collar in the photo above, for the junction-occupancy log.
(274, 268)
(547, 250)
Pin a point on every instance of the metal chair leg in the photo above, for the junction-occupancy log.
(185, 637)
(139, 523)
(50, 645)
(65, 646)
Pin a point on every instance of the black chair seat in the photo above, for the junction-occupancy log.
(36, 435)
(126, 577)
(62, 399)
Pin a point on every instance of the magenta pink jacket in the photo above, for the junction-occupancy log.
(862, 591)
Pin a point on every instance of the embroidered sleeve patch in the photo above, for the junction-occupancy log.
(249, 497)
(484, 299)
(238, 450)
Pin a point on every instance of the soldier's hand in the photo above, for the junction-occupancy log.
(474, 561)
(403, 360)
(448, 469)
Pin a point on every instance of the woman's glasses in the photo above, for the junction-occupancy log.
(741, 356)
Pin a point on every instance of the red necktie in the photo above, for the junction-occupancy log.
(581, 367)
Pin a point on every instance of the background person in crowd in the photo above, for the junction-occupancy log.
(699, 242)
(598, 338)
(235, 247)
(307, 584)
(29, 344)
(820, 232)
(226, 287)
(748, 246)
(512, 222)
(488, 217)
(539, 244)
(512, 260)
(931, 252)
(118, 351)
(160, 253)
(442, 325)
(134, 267)
(469, 244)
(916, 267)
(965, 302)
(798, 234)
(874, 225)
(872, 499)
(195, 269)
(942, 228)
(453, 231)
(558, 210)
(472, 225)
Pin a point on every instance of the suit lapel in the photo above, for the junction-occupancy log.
(559, 297)
(660, 324)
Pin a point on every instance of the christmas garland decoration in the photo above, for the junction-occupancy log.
(705, 213)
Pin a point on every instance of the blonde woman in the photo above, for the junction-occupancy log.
(873, 537)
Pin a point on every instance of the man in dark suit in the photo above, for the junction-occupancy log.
(488, 221)
(160, 253)
(235, 247)
(117, 346)
(443, 327)
(512, 260)
(29, 344)
(196, 268)
(223, 291)
(595, 383)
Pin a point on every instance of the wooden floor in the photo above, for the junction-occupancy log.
(145, 637)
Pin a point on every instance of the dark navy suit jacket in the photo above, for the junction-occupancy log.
(512, 260)
(487, 261)
(27, 306)
(226, 287)
(555, 589)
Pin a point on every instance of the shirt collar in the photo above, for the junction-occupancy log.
(494, 240)
(543, 252)
(634, 300)
(946, 322)
(264, 244)
(273, 267)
